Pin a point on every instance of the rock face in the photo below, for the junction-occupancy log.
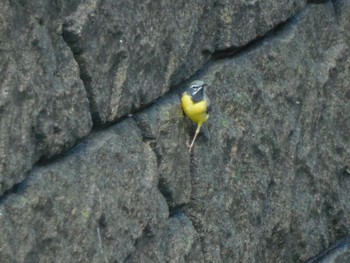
(43, 105)
(70, 193)
(270, 185)
(131, 52)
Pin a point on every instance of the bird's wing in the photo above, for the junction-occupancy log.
(208, 102)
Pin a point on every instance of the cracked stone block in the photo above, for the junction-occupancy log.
(163, 128)
(90, 206)
(239, 22)
(271, 184)
(43, 105)
(132, 52)
(172, 242)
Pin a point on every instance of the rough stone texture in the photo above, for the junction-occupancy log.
(171, 243)
(342, 9)
(163, 127)
(239, 22)
(90, 206)
(271, 184)
(337, 253)
(43, 104)
(131, 52)
(128, 54)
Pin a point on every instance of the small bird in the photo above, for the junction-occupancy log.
(195, 104)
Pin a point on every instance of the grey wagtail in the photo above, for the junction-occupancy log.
(195, 104)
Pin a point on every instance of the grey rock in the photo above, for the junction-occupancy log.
(267, 188)
(164, 128)
(170, 243)
(131, 53)
(271, 184)
(130, 58)
(43, 105)
(90, 206)
(239, 22)
(342, 9)
(337, 253)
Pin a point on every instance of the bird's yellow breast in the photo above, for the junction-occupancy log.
(197, 112)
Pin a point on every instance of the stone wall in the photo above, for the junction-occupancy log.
(94, 165)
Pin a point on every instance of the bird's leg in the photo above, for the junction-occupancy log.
(195, 136)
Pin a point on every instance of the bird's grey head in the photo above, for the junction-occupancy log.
(197, 87)
(197, 90)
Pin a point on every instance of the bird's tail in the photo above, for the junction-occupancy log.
(206, 130)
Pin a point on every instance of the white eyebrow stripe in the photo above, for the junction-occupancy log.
(198, 88)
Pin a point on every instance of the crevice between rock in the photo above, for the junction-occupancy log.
(152, 143)
(340, 247)
(317, 1)
(15, 189)
(72, 41)
(255, 43)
